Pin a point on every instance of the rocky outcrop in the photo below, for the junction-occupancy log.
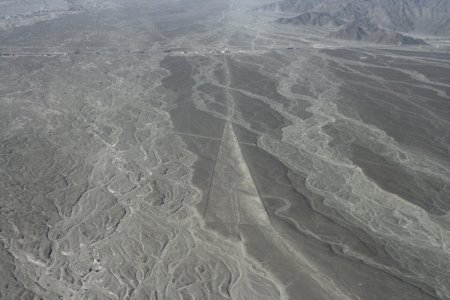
(424, 16)
(312, 19)
(363, 30)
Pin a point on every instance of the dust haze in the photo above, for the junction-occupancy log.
(210, 149)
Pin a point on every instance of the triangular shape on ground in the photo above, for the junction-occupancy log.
(233, 196)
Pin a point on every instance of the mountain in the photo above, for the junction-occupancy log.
(364, 30)
(312, 19)
(442, 27)
(419, 16)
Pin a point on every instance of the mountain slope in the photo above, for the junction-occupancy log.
(423, 16)
(312, 19)
(363, 30)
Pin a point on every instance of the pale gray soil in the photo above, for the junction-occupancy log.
(192, 149)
